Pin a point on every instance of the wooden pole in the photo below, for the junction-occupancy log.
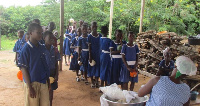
(61, 32)
(141, 15)
(111, 16)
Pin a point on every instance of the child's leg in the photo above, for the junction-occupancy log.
(96, 81)
(102, 83)
(77, 72)
(44, 95)
(51, 96)
(77, 76)
(125, 86)
(68, 59)
(121, 85)
(132, 86)
(106, 83)
(92, 80)
(85, 74)
(65, 59)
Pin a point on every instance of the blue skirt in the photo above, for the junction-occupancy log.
(115, 70)
(94, 70)
(84, 60)
(74, 62)
(125, 75)
(105, 67)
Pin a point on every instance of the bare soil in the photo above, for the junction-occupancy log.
(69, 92)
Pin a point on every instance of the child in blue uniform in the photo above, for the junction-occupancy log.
(74, 61)
(52, 57)
(35, 69)
(94, 54)
(166, 66)
(18, 46)
(66, 49)
(105, 60)
(129, 54)
(116, 57)
(83, 51)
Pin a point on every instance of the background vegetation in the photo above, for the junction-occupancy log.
(180, 16)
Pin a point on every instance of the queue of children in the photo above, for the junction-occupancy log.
(96, 56)
(92, 54)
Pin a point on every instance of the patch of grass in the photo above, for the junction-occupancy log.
(7, 43)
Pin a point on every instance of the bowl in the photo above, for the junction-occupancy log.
(193, 95)
(140, 101)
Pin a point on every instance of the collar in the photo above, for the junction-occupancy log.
(83, 37)
(131, 46)
(95, 36)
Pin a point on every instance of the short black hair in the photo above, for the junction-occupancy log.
(131, 32)
(84, 25)
(104, 29)
(21, 32)
(47, 33)
(32, 27)
(93, 22)
(118, 30)
(36, 21)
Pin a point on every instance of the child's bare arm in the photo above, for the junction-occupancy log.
(90, 55)
(15, 60)
(136, 63)
(56, 76)
(28, 82)
(125, 63)
(114, 52)
(79, 53)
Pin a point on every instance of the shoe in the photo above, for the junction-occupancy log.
(77, 79)
(92, 86)
(86, 82)
(82, 78)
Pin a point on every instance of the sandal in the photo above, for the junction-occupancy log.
(77, 79)
(92, 86)
(86, 82)
(82, 78)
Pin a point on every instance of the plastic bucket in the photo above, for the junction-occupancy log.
(193, 95)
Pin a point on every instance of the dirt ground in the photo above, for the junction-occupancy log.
(69, 92)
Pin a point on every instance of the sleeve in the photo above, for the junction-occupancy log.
(89, 39)
(24, 59)
(161, 63)
(79, 42)
(123, 51)
(137, 49)
(15, 47)
(111, 44)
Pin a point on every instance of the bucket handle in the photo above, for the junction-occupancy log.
(195, 87)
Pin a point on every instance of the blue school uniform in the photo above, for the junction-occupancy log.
(83, 43)
(116, 64)
(52, 57)
(33, 59)
(171, 66)
(74, 62)
(24, 37)
(18, 47)
(66, 46)
(105, 60)
(130, 53)
(95, 53)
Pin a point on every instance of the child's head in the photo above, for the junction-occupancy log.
(27, 37)
(79, 31)
(94, 26)
(167, 54)
(89, 29)
(20, 34)
(48, 38)
(118, 34)
(51, 26)
(44, 28)
(37, 21)
(104, 30)
(35, 31)
(131, 36)
(81, 23)
(84, 29)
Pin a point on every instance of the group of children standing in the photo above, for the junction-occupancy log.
(37, 57)
(97, 56)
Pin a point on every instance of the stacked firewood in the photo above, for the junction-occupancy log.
(152, 44)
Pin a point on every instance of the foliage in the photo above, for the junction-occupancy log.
(180, 16)
(7, 43)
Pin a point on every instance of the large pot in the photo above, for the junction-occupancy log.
(139, 102)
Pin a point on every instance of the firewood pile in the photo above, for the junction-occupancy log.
(152, 44)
